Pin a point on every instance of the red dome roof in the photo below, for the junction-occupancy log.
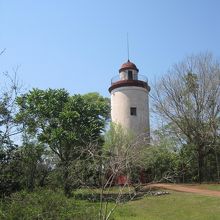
(128, 65)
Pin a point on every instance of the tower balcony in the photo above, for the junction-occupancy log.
(136, 80)
(139, 77)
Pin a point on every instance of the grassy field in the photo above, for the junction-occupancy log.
(47, 204)
(175, 206)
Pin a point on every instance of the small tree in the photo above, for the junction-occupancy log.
(31, 162)
(122, 153)
(9, 174)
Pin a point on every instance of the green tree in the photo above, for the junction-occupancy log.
(162, 156)
(31, 162)
(67, 124)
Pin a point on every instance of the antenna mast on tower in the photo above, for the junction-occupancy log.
(128, 47)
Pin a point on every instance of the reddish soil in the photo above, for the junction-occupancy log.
(181, 188)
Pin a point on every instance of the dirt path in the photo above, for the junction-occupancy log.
(188, 189)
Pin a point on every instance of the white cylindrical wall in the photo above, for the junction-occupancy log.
(125, 98)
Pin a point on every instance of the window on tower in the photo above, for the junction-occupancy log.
(133, 111)
(130, 76)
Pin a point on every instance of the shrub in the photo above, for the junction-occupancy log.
(46, 205)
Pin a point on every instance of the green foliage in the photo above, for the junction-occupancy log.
(161, 163)
(125, 153)
(63, 121)
(67, 124)
(172, 159)
(32, 164)
(40, 110)
(9, 157)
(22, 168)
(10, 172)
(46, 204)
(161, 159)
(117, 138)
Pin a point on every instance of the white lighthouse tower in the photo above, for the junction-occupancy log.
(129, 100)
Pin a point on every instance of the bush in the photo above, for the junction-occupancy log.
(46, 204)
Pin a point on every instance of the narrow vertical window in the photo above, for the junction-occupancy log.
(133, 111)
(130, 76)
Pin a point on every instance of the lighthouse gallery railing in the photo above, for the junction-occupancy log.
(139, 77)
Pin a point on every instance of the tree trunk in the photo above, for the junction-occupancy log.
(200, 165)
(67, 185)
(31, 178)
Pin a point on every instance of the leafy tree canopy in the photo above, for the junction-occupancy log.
(61, 120)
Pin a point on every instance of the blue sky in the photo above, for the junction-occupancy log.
(80, 44)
